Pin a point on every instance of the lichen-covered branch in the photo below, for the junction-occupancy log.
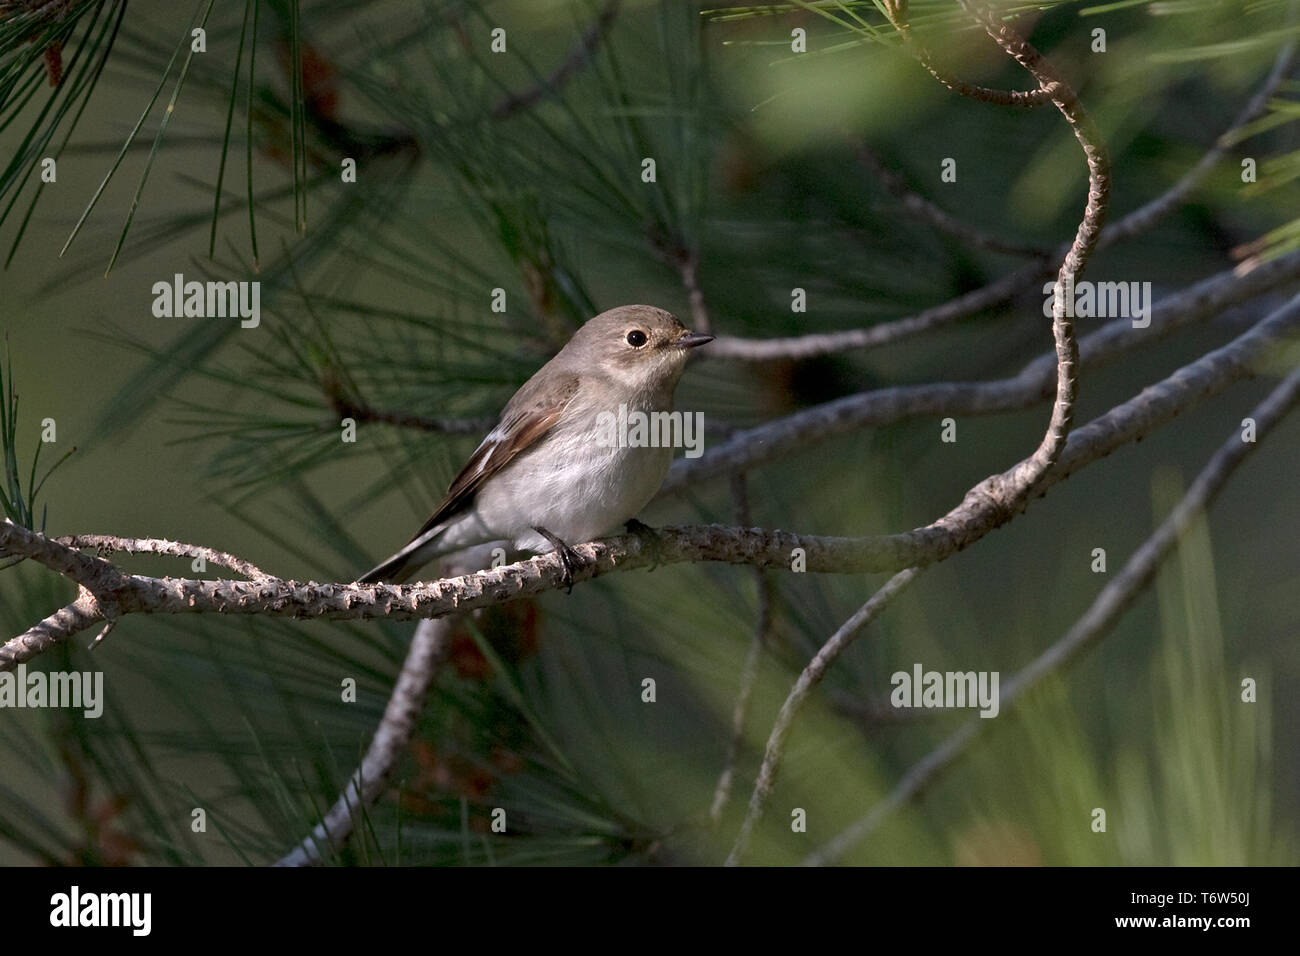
(116, 594)
(106, 544)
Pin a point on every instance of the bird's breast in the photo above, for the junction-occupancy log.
(582, 480)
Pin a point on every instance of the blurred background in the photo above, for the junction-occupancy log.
(522, 170)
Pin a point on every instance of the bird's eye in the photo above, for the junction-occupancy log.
(636, 338)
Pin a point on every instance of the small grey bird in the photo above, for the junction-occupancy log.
(547, 475)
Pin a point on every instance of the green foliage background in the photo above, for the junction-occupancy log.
(378, 292)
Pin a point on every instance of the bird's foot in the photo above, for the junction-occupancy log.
(651, 540)
(570, 560)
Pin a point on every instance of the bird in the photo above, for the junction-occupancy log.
(547, 476)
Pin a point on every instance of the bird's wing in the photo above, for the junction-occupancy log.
(524, 420)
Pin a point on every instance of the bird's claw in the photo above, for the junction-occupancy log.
(570, 560)
(573, 562)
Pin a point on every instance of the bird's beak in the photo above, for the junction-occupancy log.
(692, 339)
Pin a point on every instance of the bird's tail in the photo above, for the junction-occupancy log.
(405, 564)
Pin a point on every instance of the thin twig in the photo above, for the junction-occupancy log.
(926, 211)
(514, 103)
(103, 633)
(796, 347)
(896, 11)
(689, 269)
(793, 433)
(808, 680)
(673, 251)
(1004, 288)
(428, 651)
(1115, 598)
(107, 544)
(363, 412)
(749, 670)
(1013, 487)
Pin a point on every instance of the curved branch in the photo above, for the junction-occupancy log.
(107, 543)
(1030, 471)
(428, 652)
(1114, 599)
(896, 11)
(808, 680)
(998, 497)
(1002, 289)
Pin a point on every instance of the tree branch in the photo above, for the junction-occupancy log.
(428, 652)
(107, 544)
(748, 448)
(926, 211)
(59, 626)
(1000, 290)
(1013, 487)
(813, 344)
(1029, 472)
(808, 680)
(749, 670)
(986, 506)
(896, 11)
(1115, 598)
(514, 103)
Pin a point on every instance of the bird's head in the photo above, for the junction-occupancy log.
(639, 345)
